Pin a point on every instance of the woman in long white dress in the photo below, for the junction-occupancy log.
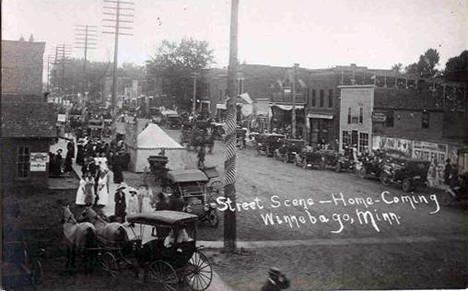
(103, 190)
(80, 193)
(146, 199)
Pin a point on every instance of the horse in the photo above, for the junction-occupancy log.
(109, 233)
(78, 236)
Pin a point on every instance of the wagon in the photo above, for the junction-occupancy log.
(166, 249)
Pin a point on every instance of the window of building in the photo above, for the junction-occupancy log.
(363, 142)
(23, 162)
(425, 119)
(349, 115)
(361, 115)
(389, 119)
(330, 98)
(321, 98)
(313, 97)
(240, 86)
(346, 139)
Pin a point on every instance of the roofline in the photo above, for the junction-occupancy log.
(356, 86)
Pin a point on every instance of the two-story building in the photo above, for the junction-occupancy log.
(27, 120)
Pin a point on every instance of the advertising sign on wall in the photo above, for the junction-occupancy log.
(38, 162)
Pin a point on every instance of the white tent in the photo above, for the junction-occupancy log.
(150, 142)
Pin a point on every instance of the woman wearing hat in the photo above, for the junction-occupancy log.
(120, 203)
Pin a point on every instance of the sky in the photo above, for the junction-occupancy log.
(315, 34)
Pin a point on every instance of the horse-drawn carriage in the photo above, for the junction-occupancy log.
(162, 247)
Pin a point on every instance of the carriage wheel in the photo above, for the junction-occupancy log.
(36, 273)
(163, 274)
(198, 272)
(109, 264)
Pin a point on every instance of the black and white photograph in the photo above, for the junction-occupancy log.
(234, 145)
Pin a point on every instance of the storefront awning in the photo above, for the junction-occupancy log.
(221, 106)
(287, 107)
(320, 116)
(205, 101)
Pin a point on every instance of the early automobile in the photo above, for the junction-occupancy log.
(267, 143)
(309, 158)
(171, 119)
(288, 150)
(192, 185)
(406, 172)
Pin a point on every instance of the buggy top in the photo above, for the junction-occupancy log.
(192, 175)
(163, 217)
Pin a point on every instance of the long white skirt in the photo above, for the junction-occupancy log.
(80, 195)
(103, 191)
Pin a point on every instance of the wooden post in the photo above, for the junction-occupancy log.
(230, 230)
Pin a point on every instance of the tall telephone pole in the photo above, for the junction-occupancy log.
(85, 38)
(121, 12)
(230, 230)
(194, 103)
(293, 113)
(62, 53)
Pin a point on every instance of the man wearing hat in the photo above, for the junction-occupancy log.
(120, 203)
(276, 281)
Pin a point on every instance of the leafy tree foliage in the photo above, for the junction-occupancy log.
(456, 68)
(172, 67)
(426, 66)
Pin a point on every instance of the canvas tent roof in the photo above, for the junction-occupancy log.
(153, 137)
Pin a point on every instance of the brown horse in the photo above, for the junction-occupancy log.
(78, 236)
(109, 233)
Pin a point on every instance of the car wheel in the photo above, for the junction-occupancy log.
(362, 172)
(406, 186)
(385, 179)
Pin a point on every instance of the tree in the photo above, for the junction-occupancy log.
(425, 67)
(456, 68)
(397, 67)
(173, 66)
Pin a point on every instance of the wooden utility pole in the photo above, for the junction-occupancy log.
(49, 59)
(62, 53)
(194, 103)
(293, 113)
(86, 37)
(123, 13)
(230, 230)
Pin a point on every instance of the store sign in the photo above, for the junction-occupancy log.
(429, 151)
(38, 162)
(379, 117)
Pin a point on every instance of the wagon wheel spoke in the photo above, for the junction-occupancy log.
(162, 273)
(198, 273)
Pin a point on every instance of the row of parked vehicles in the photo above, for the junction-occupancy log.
(387, 167)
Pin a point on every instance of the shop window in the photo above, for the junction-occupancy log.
(361, 115)
(330, 98)
(425, 119)
(313, 98)
(346, 139)
(363, 142)
(349, 115)
(321, 98)
(240, 86)
(389, 119)
(23, 162)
